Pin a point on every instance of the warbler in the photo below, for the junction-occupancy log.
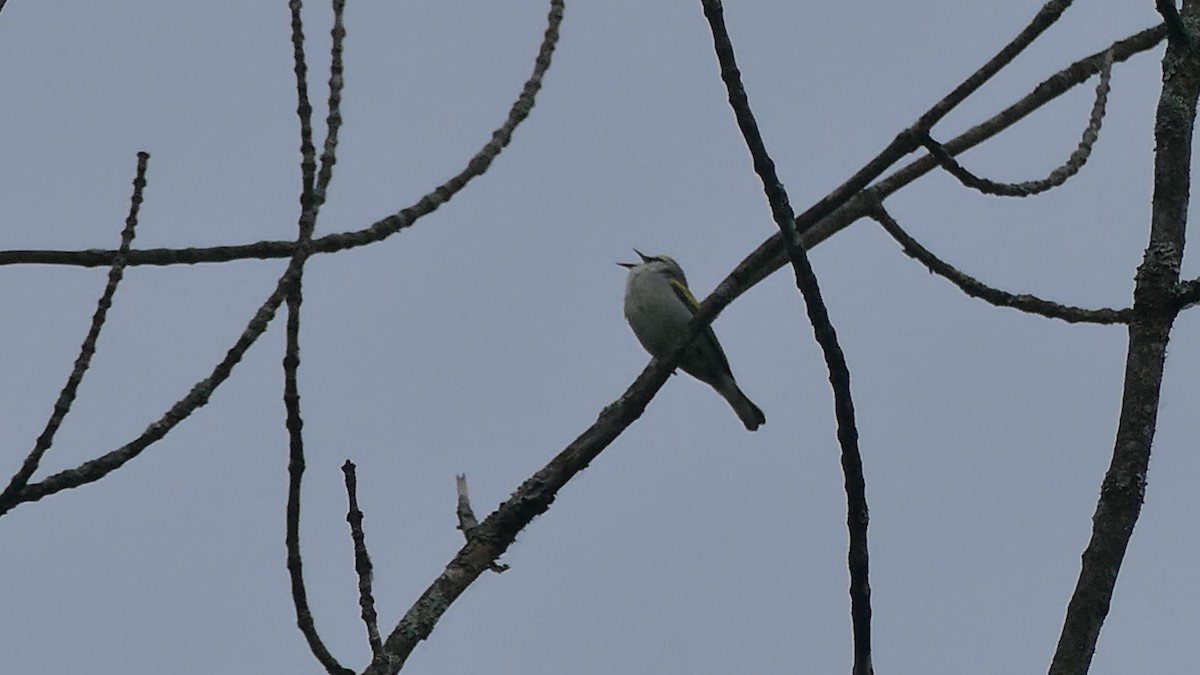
(658, 305)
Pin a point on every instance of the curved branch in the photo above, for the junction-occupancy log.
(994, 296)
(1058, 176)
(857, 513)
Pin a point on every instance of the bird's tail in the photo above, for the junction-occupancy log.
(751, 415)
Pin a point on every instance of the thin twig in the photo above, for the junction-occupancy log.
(1056, 177)
(977, 289)
(466, 516)
(362, 561)
(308, 152)
(66, 397)
(1046, 16)
(1155, 306)
(857, 514)
(333, 121)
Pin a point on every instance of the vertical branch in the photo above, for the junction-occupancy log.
(826, 336)
(291, 357)
(308, 152)
(1154, 312)
(362, 561)
(333, 121)
(116, 272)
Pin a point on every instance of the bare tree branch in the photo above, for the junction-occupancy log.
(1188, 293)
(857, 514)
(769, 256)
(66, 397)
(362, 561)
(1058, 176)
(466, 517)
(1155, 307)
(333, 119)
(309, 206)
(96, 469)
(467, 522)
(977, 289)
(496, 533)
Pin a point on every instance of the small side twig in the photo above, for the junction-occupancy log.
(1056, 177)
(857, 514)
(1187, 293)
(362, 561)
(466, 517)
(977, 289)
(8, 498)
(467, 522)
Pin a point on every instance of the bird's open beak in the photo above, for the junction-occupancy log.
(641, 255)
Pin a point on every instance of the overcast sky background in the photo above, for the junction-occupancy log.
(487, 336)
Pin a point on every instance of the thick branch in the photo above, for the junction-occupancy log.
(1154, 309)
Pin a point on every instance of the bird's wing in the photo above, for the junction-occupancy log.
(708, 336)
(685, 295)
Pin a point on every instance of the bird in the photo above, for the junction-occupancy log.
(658, 306)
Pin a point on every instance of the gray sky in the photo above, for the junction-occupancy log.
(486, 337)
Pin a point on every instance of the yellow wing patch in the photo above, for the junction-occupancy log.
(685, 295)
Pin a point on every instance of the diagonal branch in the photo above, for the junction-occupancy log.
(9, 497)
(857, 515)
(977, 289)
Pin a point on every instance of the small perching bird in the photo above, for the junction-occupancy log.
(658, 306)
